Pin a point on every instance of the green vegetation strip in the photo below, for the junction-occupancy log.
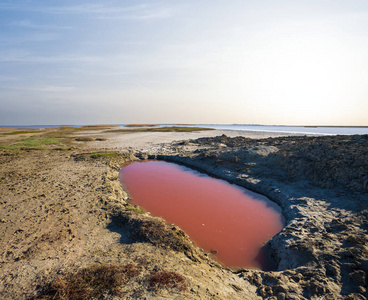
(31, 143)
(42, 139)
(135, 209)
(162, 129)
(84, 156)
(104, 154)
(21, 132)
(34, 142)
(9, 147)
(142, 125)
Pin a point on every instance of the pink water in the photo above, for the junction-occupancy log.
(218, 216)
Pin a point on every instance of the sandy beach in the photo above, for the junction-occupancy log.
(64, 214)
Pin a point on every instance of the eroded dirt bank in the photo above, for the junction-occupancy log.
(64, 216)
(321, 185)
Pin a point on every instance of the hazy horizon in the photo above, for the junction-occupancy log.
(291, 63)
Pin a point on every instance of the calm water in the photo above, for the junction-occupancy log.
(218, 216)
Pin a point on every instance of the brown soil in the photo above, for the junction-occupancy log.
(65, 217)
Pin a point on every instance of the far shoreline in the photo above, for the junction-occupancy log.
(284, 129)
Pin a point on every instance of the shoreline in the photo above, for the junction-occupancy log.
(153, 141)
(66, 210)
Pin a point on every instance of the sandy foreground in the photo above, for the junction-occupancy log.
(65, 216)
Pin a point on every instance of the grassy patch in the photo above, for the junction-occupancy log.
(38, 142)
(104, 154)
(31, 143)
(9, 147)
(134, 208)
(84, 156)
(43, 139)
(90, 283)
(162, 129)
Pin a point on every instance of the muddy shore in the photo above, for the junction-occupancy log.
(63, 212)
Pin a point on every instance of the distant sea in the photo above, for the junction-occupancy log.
(322, 130)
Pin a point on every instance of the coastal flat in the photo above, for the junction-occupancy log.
(156, 141)
(64, 214)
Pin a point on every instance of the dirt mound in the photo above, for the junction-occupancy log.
(328, 161)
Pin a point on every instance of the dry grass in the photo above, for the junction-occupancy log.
(2, 129)
(84, 139)
(156, 232)
(97, 280)
(22, 132)
(164, 279)
(100, 126)
(90, 283)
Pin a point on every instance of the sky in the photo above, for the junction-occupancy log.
(285, 62)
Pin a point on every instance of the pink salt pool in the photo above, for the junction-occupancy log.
(228, 220)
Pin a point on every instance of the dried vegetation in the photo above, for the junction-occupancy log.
(90, 283)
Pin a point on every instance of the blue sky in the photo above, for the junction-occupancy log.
(288, 62)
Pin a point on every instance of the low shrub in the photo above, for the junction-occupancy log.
(90, 283)
(21, 132)
(104, 154)
(155, 232)
(84, 139)
(164, 279)
(134, 208)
